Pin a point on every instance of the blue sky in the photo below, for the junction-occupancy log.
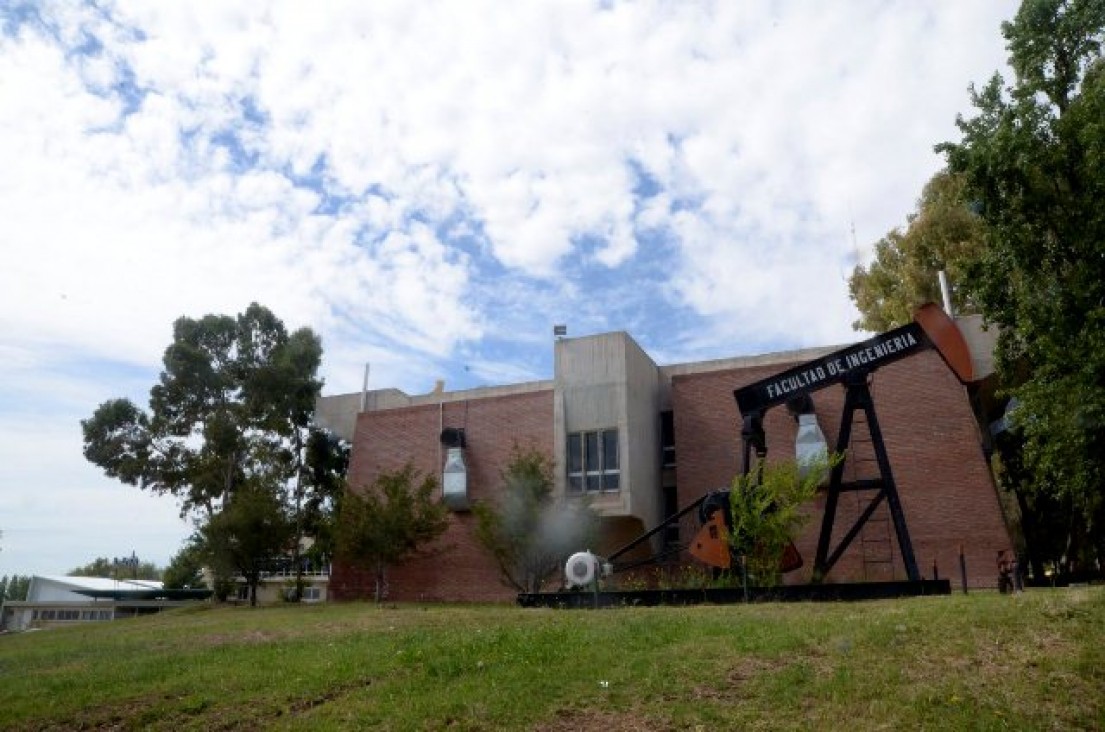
(432, 186)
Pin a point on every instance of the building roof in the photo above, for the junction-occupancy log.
(100, 584)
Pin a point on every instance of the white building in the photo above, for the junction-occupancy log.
(54, 600)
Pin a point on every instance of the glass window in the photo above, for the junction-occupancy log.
(610, 450)
(591, 451)
(575, 453)
(575, 462)
(667, 439)
(593, 463)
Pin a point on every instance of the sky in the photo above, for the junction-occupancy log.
(431, 187)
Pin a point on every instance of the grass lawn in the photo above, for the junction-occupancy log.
(981, 661)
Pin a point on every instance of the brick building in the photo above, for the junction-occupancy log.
(642, 441)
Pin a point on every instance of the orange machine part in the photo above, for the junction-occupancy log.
(945, 335)
(711, 543)
(711, 547)
(791, 560)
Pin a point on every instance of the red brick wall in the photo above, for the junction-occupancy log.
(459, 568)
(933, 443)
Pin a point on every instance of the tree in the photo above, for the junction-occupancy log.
(230, 416)
(944, 234)
(232, 389)
(1032, 157)
(15, 588)
(185, 570)
(248, 533)
(389, 522)
(124, 568)
(321, 463)
(767, 510)
(528, 532)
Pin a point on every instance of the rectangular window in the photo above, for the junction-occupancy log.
(593, 465)
(575, 462)
(667, 439)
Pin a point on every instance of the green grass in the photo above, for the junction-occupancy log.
(982, 661)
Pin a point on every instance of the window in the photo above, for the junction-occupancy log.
(243, 592)
(667, 439)
(593, 462)
(307, 594)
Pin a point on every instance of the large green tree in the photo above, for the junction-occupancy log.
(528, 532)
(1033, 158)
(390, 521)
(230, 416)
(321, 461)
(185, 569)
(943, 234)
(248, 533)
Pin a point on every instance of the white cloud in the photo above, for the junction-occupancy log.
(419, 180)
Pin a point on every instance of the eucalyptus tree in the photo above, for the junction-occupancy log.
(230, 418)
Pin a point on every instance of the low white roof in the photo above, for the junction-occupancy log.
(100, 583)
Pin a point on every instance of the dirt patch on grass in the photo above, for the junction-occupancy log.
(572, 720)
(737, 677)
(181, 710)
(250, 637)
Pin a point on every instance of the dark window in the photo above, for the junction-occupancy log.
(667, 439)
(593, 465)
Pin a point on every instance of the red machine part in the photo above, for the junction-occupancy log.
(947, 339)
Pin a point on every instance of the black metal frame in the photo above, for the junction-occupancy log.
(851, 367)
(858, 396)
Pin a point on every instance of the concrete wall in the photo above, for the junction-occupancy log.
(640, 438)
(606, 381)
(981, 342)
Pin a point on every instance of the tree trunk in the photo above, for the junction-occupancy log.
(298, 516)
(379, 583)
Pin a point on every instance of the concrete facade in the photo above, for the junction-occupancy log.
(607, 382)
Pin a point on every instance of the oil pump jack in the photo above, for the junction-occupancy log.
(852, 368)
